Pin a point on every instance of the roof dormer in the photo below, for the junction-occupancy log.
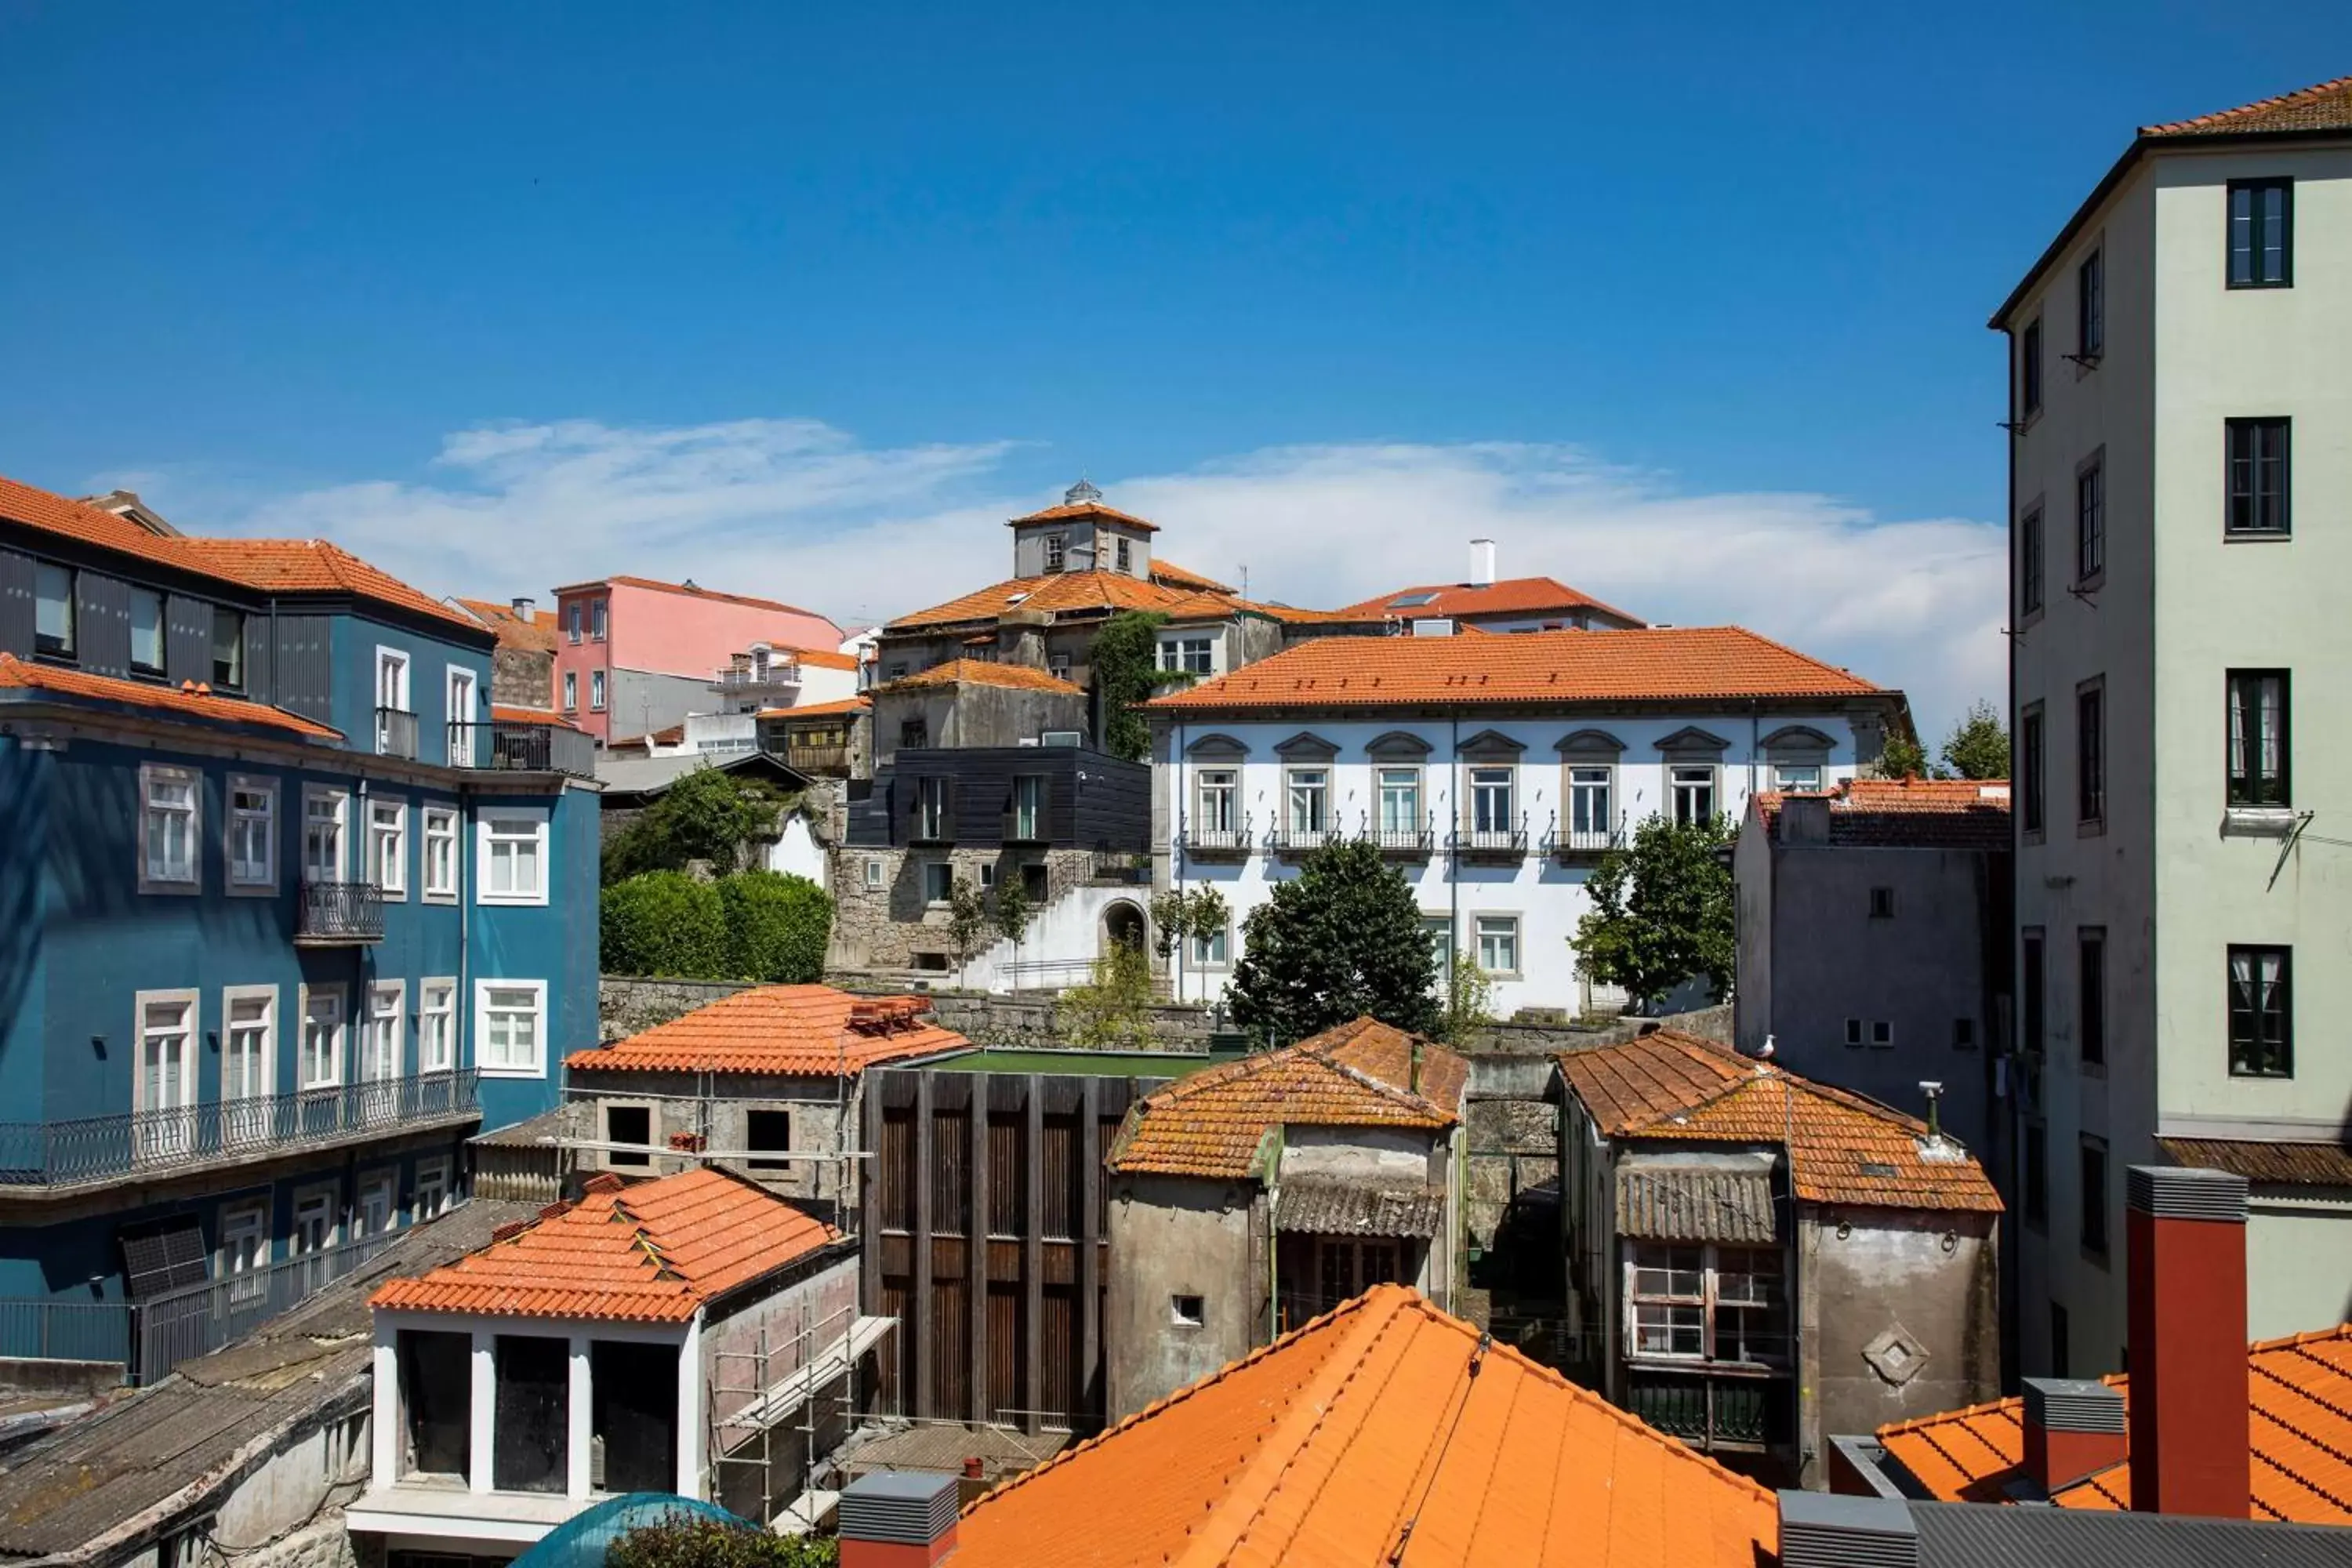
(1081, 534)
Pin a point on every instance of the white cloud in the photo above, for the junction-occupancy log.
(800, 510)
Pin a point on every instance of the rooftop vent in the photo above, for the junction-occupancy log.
(524, 605)
(1822, 1529)
(895, 1518)
(1433, 627)
(1481, 563)
(1081, 494)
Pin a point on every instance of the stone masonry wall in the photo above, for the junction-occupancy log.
(885, 928)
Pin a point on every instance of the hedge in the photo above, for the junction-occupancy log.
(663, 923)
(777, 926)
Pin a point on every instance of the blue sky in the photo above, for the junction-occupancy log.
(799, 298)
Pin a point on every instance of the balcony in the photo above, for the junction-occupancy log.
(395, 733)
(1728, 1412)
(507, 747)
(1491, 846)
(67, 1154)
(826, 762)
(1208, 844)
(339, 914)
(777, 676)
(1573, 845)
(1294, 843)
(1403, 843)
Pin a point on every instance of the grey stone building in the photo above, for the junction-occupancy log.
(522, 669)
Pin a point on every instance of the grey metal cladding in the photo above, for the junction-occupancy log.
(2072, 1404)
(102, 624)
(305, 666)
(187, 639)
(259, 665)
(16, 619)
(1822, 1529)
(1985, 1535)
(2172, 1192)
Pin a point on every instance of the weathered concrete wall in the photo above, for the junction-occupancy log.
(288, 1512)
(1931, 1282)
(1171, 1237)
(824, 1120)
(893, 926)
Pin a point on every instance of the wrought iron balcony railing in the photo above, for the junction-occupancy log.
(395, 733)
(102, 1148)
(505, 746)
(1212, 843)
(338, 914)
(1491, 843)
(1403, 843)
(1305, 840)
(1571, 842)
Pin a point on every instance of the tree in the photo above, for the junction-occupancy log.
(970, 923)
(1901, 758)
(777, 926)
(1123, 664)
(1013, 912)
(663, 922)
(1978, 747)
(1179, 915)
(1342, 939)
(1112, 1010)
(1469, 1001)
(707, 815)
(1662, 911)
(689, 1540)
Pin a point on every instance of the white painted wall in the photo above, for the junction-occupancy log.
(1061, 945)
(797, 851)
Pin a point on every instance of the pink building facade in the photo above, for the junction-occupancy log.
(633, 655)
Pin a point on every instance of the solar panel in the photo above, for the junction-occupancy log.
(1407, 599)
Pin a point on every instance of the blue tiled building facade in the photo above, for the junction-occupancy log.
(287, 916)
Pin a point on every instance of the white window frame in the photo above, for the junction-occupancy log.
(537, 1066)
(322, 1195)
(1677, 784)
(1784, 780)
(342, 1038)
(596, 692)
(574, 613)
(1297, 791)
(596, 623)
(383, 1183)
(373, 1066)
(342, 822)
(396, 663)
(943, 900)
(1213, 789)
(437, 1013)
(875, 873)
(391, 882)
(1221, 955)
(233, 814)
(151, 775)
(191, 1027)
(1590, 784)
(1403, 779)
(162, 632)
(433, 1197)
(1479, 921)
(1489, 782)
(1439, 930)
(571, 688)
(464, 693)
(440, 824)
(246, 1221)
(230, 997)
(496, 825)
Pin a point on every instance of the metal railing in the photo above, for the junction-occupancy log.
(65, 1331)
(1206, 842)
(1401, 841)
(816, 759)
(1497, 842)
(1305, 840)
(1561, 842)
(780, 674)
(341, 912)
(395, 733)
(1028, 826)
(98, 1148)
(505, 746)
(197, 1320)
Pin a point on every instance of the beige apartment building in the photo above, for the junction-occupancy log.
(2182, 635)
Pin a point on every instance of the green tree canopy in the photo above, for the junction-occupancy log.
(1112, 1011)
(777, 926)
(1342, 939)
(708, 815)
(694, 1541)
(1901, 758)
(1978, 747)
(1662, 911)
(1124, 665)
(663, 923)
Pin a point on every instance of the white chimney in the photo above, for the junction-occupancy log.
(1481, 563)
(523, 605)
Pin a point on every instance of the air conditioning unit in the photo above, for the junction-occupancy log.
(1434, 627)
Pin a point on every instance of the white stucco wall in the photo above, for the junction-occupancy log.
(797, 851)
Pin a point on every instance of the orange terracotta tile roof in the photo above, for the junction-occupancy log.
(1177, 576)
(1511, 596)
(1910, 813)
(269, 565)
(1059, 592)
(2325, 107)
(1533, 669)
(650, 1252)
(1083, 509)
(1841, 1147)
(691, 590)
(2299, 1392)
(981, 672)
(1213, 1122)
(16, 675)
(536, 635)
(796, 1031)
(825, 657)
(1323, 1448)
(547, 716)
(860, 704)
(2274, 1162)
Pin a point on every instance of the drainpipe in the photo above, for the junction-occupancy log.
(1453, 861)
(1755, 729)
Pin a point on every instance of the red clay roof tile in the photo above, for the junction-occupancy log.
(1512, 596)
(1083, 509)
(981, 672)
(1060, 593)
(796, 1031)
(1176, 576)
(1911, 814)
(535, 634)
(2326, 106)
(847, 705)
(16, 675)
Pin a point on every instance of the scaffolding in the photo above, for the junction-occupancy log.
(774, 1388)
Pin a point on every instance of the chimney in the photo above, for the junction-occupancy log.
(2185, 1251)
(524, 605)
(1481, 563)
(1825, 1530)
(897, 1518)
(2073, 1427)
(1804, 819)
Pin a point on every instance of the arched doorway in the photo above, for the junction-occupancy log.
(1123, 926)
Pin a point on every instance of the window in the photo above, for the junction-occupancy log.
(1590, 813)
(1126, 556)
(596, 620)
(1212, 950)
(387, 846)
(53, 610)
(938, 882)
(1882, 903)
(1706, 1303)
(1034, 882)
(1498, 943)
(252, 832)
(2262, 1012)
(572, 690)
(1881, 1033)
(1853, 1031)
(1439, 930)
(322, 836)
(391, 696)
(2258, 478)
(2037, 1174)
(171, 809)
(1028, 807)
(314, 1223)
(373, 1214)
(628, 1124)
(248, 1042)
(768, 1132)
(146, 632)
(1490, 800)
(2028, 563)
(1400, 800)
(1964, 1033)
(2090, 754)
(379, 1037)
(512, 855)
(322, 1039)
(2095, 1194)
(1213, 790)
(228, 649)
(2091, 994)
(2029, 371)
(2091, 519)
(2030, 754)
(1308, 792)
(531, 1413)
(1057, 665)
(595, 691)
(461, 729)
(2091, 307)
(244, 1250)
(1693, 790)
(875, 872)
(2032, 995)
(1056, 552)
(167, 1067)
(1802, 777)
(931, 812)
(2262, 234)
(914, 734)
(436, 1025)
(432, 1188)
(440, 856)
(511, 1028)
(2059, 1339)
(1198, 656)
(573, 613)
